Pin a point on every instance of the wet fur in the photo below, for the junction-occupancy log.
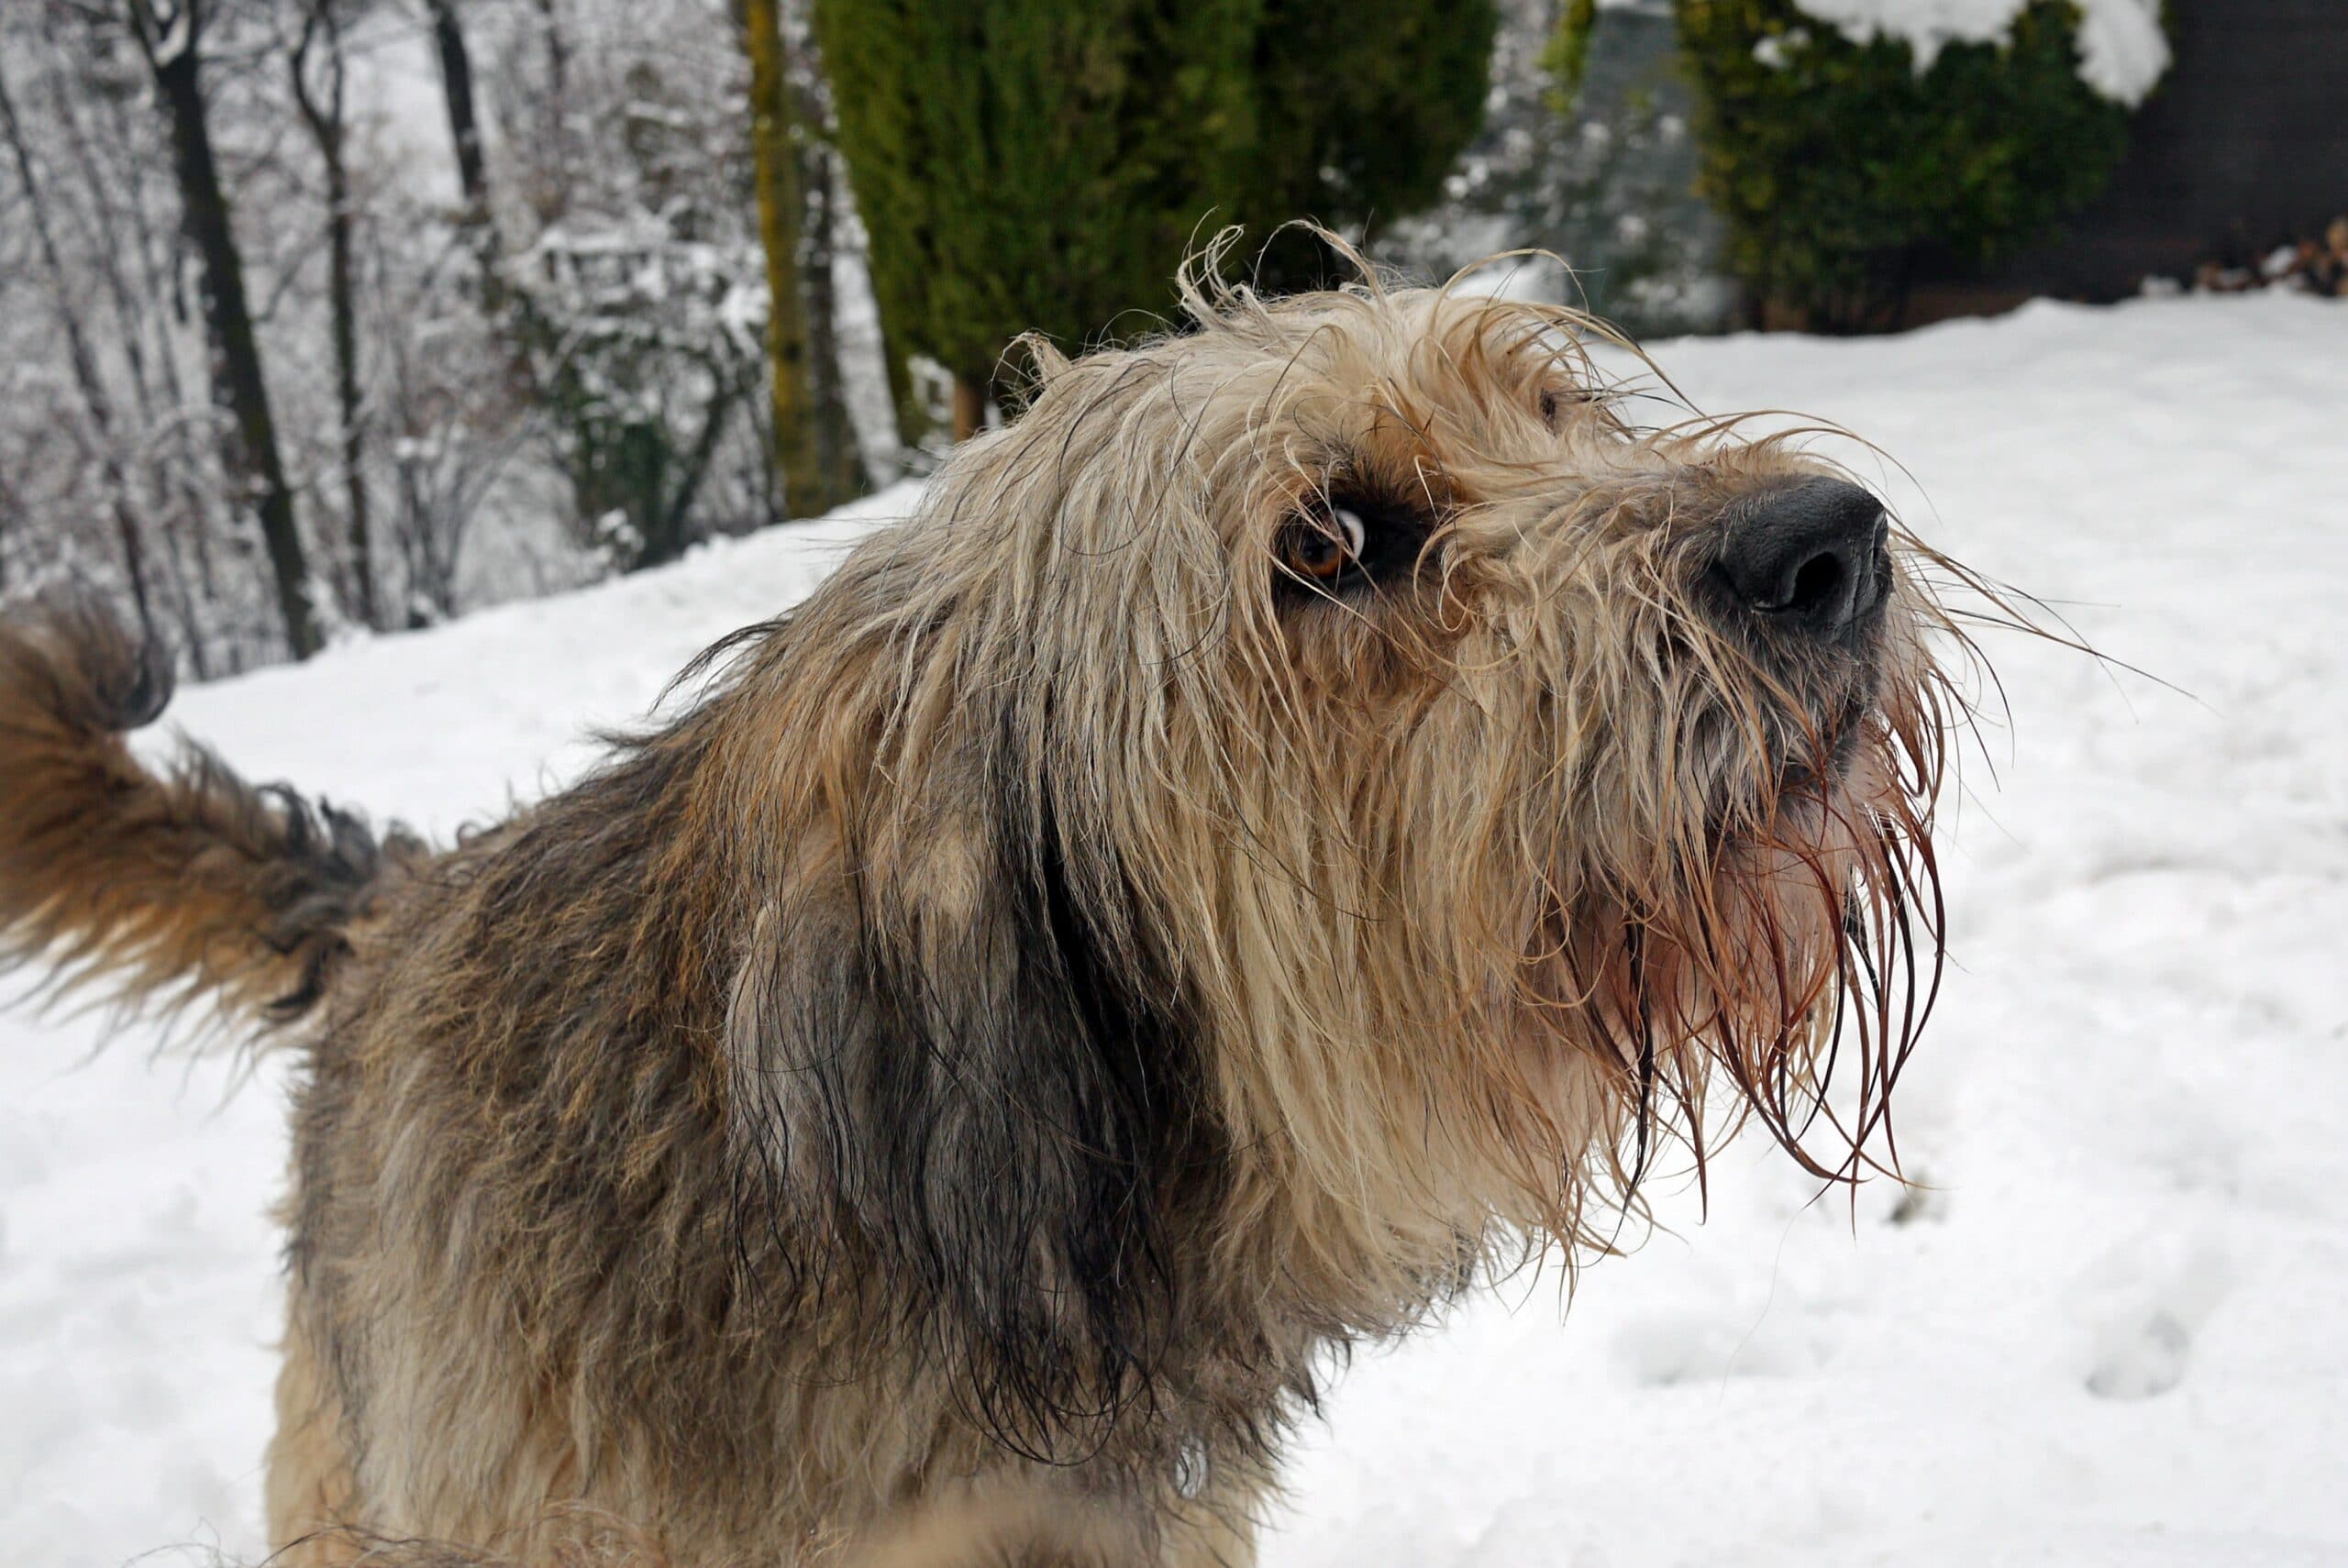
(970, 1077)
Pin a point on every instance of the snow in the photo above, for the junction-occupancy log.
(2122, 51)
(2106, 1336)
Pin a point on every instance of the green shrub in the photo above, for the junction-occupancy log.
(1031, 164)
(1836, 165)
(1362, 106)
(1042, 165)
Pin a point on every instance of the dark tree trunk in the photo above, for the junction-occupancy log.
(250, 449)
(676, 515)
(969, 406)
(347, 393)
(135, 274)
(464, 115)
(324, 115)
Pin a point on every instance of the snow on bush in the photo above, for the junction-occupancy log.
(2122, 51)
(1841, 168)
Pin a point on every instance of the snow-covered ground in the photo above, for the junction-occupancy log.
(2113, 1334)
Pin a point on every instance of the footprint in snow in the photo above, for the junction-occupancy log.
(2147, 1300)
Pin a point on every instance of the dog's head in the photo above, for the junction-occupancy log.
(1315, 785)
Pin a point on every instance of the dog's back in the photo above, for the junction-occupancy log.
(515, 1321)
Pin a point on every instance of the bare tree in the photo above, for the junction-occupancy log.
(448, 458)
(135, 259)
(257, 366)
(454, 55)
(170, 39)
(97, 405)
(318, 69)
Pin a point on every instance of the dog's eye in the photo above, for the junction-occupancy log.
(1556, 400)
(1319, 549)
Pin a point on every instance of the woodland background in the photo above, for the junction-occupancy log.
(320, 317)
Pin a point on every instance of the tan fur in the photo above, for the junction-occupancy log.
(944, 1097)
(307, 1480)
(143, 883)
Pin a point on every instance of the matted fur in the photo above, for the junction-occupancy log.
(1063, 983)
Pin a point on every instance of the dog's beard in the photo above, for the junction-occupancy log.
(1783, 946)
(1767, 756)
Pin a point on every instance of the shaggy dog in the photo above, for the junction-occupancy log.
(1307, 809)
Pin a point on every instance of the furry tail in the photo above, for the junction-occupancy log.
(163, 887)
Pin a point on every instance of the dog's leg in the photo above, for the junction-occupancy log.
(310, 1489)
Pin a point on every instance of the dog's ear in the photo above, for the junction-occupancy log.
(969, 1069)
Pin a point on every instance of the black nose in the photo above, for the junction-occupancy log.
(1810, 555)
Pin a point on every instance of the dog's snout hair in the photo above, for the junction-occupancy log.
(1321, 796)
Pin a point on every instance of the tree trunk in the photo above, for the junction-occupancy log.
(556, 126)
(969, 406)
(464, 115)
(347, 393)
(677, 513)
(140, 302)
(809, 485)
(914, 421)
(836, 450)
(94, 400)
(324, 116)
(249, 448)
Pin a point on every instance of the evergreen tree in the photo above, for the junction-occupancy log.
(1043, 164)
(1032, 164)
(1361, 109)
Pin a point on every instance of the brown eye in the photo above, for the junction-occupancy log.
(1319, 551)
(1556, 400)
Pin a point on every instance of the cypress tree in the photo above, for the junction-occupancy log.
(1032, 164)
(1042, 165)
(1362, 107)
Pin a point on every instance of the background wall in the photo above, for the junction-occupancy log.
(2244, 147)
